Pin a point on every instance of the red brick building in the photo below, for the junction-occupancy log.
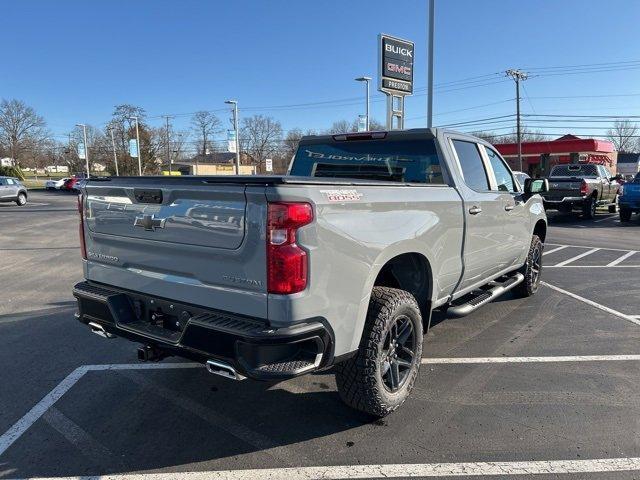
(539, 157)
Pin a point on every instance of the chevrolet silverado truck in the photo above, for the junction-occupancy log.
(582, 187)
(629, 199)
(337, 264)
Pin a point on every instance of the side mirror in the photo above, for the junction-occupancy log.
(537, 185)
(616, 178)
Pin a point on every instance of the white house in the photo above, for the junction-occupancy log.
(6, 162)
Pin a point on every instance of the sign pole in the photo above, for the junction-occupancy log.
(395, 76)
(430, 81)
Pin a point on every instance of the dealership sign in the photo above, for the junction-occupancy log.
(395, 73)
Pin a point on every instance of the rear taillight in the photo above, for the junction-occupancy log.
(584, 189)
(286, 261)
(83, 246)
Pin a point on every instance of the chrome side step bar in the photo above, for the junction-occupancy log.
(223, 369)
(485, 296)
(99, 330)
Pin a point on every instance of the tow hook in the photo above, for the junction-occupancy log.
(149, 353)
(99, 330)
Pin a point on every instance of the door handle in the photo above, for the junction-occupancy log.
(475, 210)
(508, 208)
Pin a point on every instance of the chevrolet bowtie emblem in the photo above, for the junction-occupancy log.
(149, 222)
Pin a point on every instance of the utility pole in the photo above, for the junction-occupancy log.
(518, 75)
(235, 127)
(430, 78)
(86, 147)
(366, 80)
(166, 117)
(115, 155)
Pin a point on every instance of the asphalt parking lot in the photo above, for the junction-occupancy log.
(548, 385)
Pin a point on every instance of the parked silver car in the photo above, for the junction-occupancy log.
(12, 190)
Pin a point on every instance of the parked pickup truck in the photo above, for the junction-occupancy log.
(629, 199)
(582, 187)
(339, 263)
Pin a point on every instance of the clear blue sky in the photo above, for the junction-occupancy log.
(74, 60)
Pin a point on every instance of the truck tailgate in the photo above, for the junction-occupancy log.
(194, 242)
(560, 187)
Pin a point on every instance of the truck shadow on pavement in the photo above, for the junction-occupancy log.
(131, 420)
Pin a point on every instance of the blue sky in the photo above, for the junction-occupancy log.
(73, 61)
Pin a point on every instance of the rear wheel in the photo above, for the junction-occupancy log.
(531, 269)
(21, 200)
(589, 208)
(625, 214)
(379, 378)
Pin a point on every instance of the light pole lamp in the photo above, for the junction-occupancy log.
(235, 128)
(86, 147)
(366, 80)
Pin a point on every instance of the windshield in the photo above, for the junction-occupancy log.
(414, 161)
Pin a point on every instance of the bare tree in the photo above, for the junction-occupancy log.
(123, 125)
(20, 125)
(526, 135)
(343, 126)
(486, 136)
(623, 136)
(260, 138)
(205, 125)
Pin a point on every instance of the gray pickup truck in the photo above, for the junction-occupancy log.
(581, 187)
(337, 264)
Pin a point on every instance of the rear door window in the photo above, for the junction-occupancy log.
(473, 169)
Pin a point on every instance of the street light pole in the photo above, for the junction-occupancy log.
(139, 152)
(115, 155)
(86, 147)
(517, 76)
(366, 80)
(235, 128)
(168, 155)
(430, 80)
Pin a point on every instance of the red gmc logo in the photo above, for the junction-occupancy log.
(394, 67)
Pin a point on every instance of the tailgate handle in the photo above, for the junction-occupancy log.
(144, 195)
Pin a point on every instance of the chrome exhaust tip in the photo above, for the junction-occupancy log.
(99, 330)
(223, 369)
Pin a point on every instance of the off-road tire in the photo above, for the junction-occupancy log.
(531, 281)
(359, 379)
(625, 214)
(21, 199)
(589, 208)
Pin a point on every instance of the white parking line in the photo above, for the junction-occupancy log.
(562, 247)
(21, 426)
(573, 358)
(585, 246)
(593, 304)
(621, 259)
(604, 219)
(577, 257)
(591, 266)
(339, 472)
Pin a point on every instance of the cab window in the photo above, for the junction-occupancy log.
(473, 170)
(504, 178)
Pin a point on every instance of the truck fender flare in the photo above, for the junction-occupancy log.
(388, 254)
